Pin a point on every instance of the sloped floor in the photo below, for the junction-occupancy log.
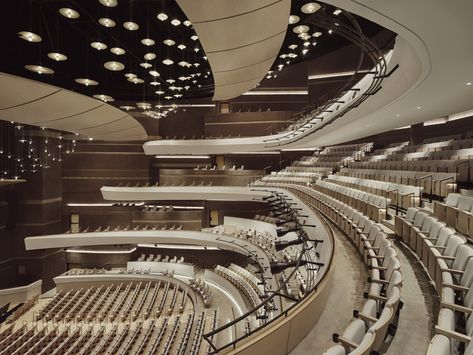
(417, 318)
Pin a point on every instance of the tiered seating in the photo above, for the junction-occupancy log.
(336, 156)
(158, 258)
(202, 289)
(456, 212)
(25, 307)
(403, 196)
(369, 330)
(299, 178)
(449, 263)
(127, 228)
(432, 183)
(440, 155)
(241, 283)
(372, 205)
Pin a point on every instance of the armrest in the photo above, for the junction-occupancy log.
(452, 334)
(456, 287)
(453, 271)
(438, 247)
(382, 268)
(347, 343)
(445, 257)
(367, 318)
(456, 307)
(377, 298)
(379, 257)
(378, 281)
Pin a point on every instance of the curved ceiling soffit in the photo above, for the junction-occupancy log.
(34, 103)
(241, 39)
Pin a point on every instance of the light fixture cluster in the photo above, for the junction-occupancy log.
(166, 65)
(28, 149)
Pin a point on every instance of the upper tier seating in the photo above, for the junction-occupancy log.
(403, 196)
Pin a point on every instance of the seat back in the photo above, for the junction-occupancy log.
(444, 235)
(452, 199)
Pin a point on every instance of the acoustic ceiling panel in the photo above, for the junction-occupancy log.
(240, 36)
(38, 104)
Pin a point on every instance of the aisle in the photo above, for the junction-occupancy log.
(346, 295)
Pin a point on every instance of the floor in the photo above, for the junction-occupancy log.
(417, 317)
(346, 295)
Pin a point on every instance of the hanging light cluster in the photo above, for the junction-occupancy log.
(27, 150)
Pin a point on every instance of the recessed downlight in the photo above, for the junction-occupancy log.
(147, 42)
(175, 22)
(310, 7)
(130, 75)
(39, 69)
(69, 13)
(162, 16)
(187, 23)
(293, 19)
(149, 56)
(29, 36)
(169, 42)
(131, 26)
(58, 57)
(109, 3)
(104, 98)
(98, 46)
(86, 82)
(300, 29)
(117, 51)
(317, 34)
(107, 22)
(114, 66)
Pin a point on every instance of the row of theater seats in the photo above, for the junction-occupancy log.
(449, 263)
(308, 169)
(203, 290)
(403, 196)
(127, 228)
(273, 178)
(115, 302)
(85, 271)
(456, 212)
(432, 183)
(373, 324)
(241, 283)
(159, 258)
(208, 167)
(369, 204)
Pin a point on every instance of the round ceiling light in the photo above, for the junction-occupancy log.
(293, 19)
(117, 51)
(300, 29)
(131, 26)
(104, 98)
(109, 3)
(155, 83)
(194, 37)
(39, 69)
(187, 23)
(159, 92)
(169, 42)
(304, 36)
(107, 22)
(175, 22)
(310, 7)
(130, 75)
(58, 57)
(98, 45)
(114, 66)
(145, 65)
(317, 34)
(29, 36)
(86, 82)
(184, 64)
(168, 61)
(154, 73)
(170, 81)
(150, 56)
(293, 46)
(147, 42)
(162, 16)
(181, 47)
(127, 108)
(136, 80)
(69, 13)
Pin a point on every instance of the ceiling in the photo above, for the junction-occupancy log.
(180, 70)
